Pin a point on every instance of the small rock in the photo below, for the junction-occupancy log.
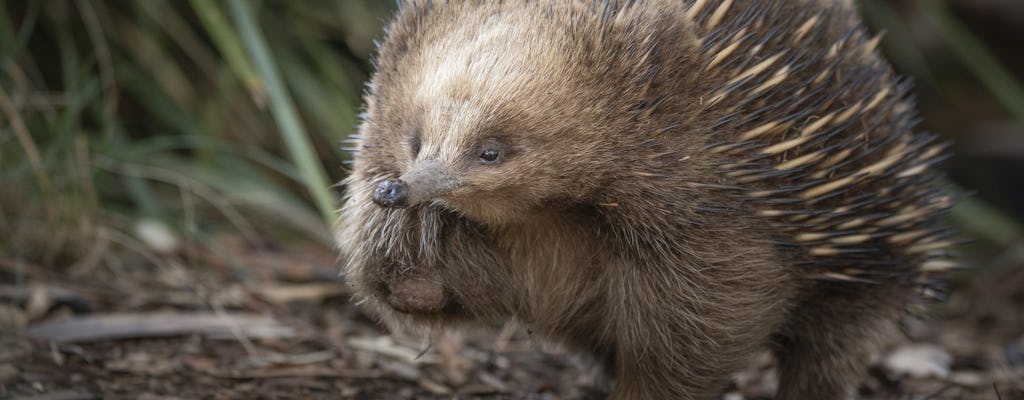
(157, 235)
(732, 396)
(919, 361)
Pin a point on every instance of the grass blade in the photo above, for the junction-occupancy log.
(283, 108)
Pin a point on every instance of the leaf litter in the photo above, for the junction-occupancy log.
(288, 329)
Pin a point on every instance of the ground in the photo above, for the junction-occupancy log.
(296, 334)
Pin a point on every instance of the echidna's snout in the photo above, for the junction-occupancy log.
(425, 181)
(391, 193)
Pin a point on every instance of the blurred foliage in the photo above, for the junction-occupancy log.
(205, 116)
(968, 71)
(197, 115)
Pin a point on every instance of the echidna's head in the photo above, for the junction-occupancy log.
(499, 111)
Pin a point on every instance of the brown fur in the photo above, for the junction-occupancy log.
(680, 183)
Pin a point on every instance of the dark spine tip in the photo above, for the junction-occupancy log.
(391, 194)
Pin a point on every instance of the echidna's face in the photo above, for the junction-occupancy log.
(483, 124)
(476, 173)
(500, 109)
(484, 163)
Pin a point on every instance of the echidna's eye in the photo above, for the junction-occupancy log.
(490, 156)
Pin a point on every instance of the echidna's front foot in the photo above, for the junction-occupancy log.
(415, 295)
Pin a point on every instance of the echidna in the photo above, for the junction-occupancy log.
(664, 185)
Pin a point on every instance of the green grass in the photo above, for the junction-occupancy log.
(186, 113)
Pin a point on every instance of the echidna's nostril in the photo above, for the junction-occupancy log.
(391, 194)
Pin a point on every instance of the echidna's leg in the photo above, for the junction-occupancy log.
(672, 342)
(825, 346)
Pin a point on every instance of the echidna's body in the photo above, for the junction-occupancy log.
(666, 185)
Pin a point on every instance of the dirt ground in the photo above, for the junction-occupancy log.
(277, 323)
